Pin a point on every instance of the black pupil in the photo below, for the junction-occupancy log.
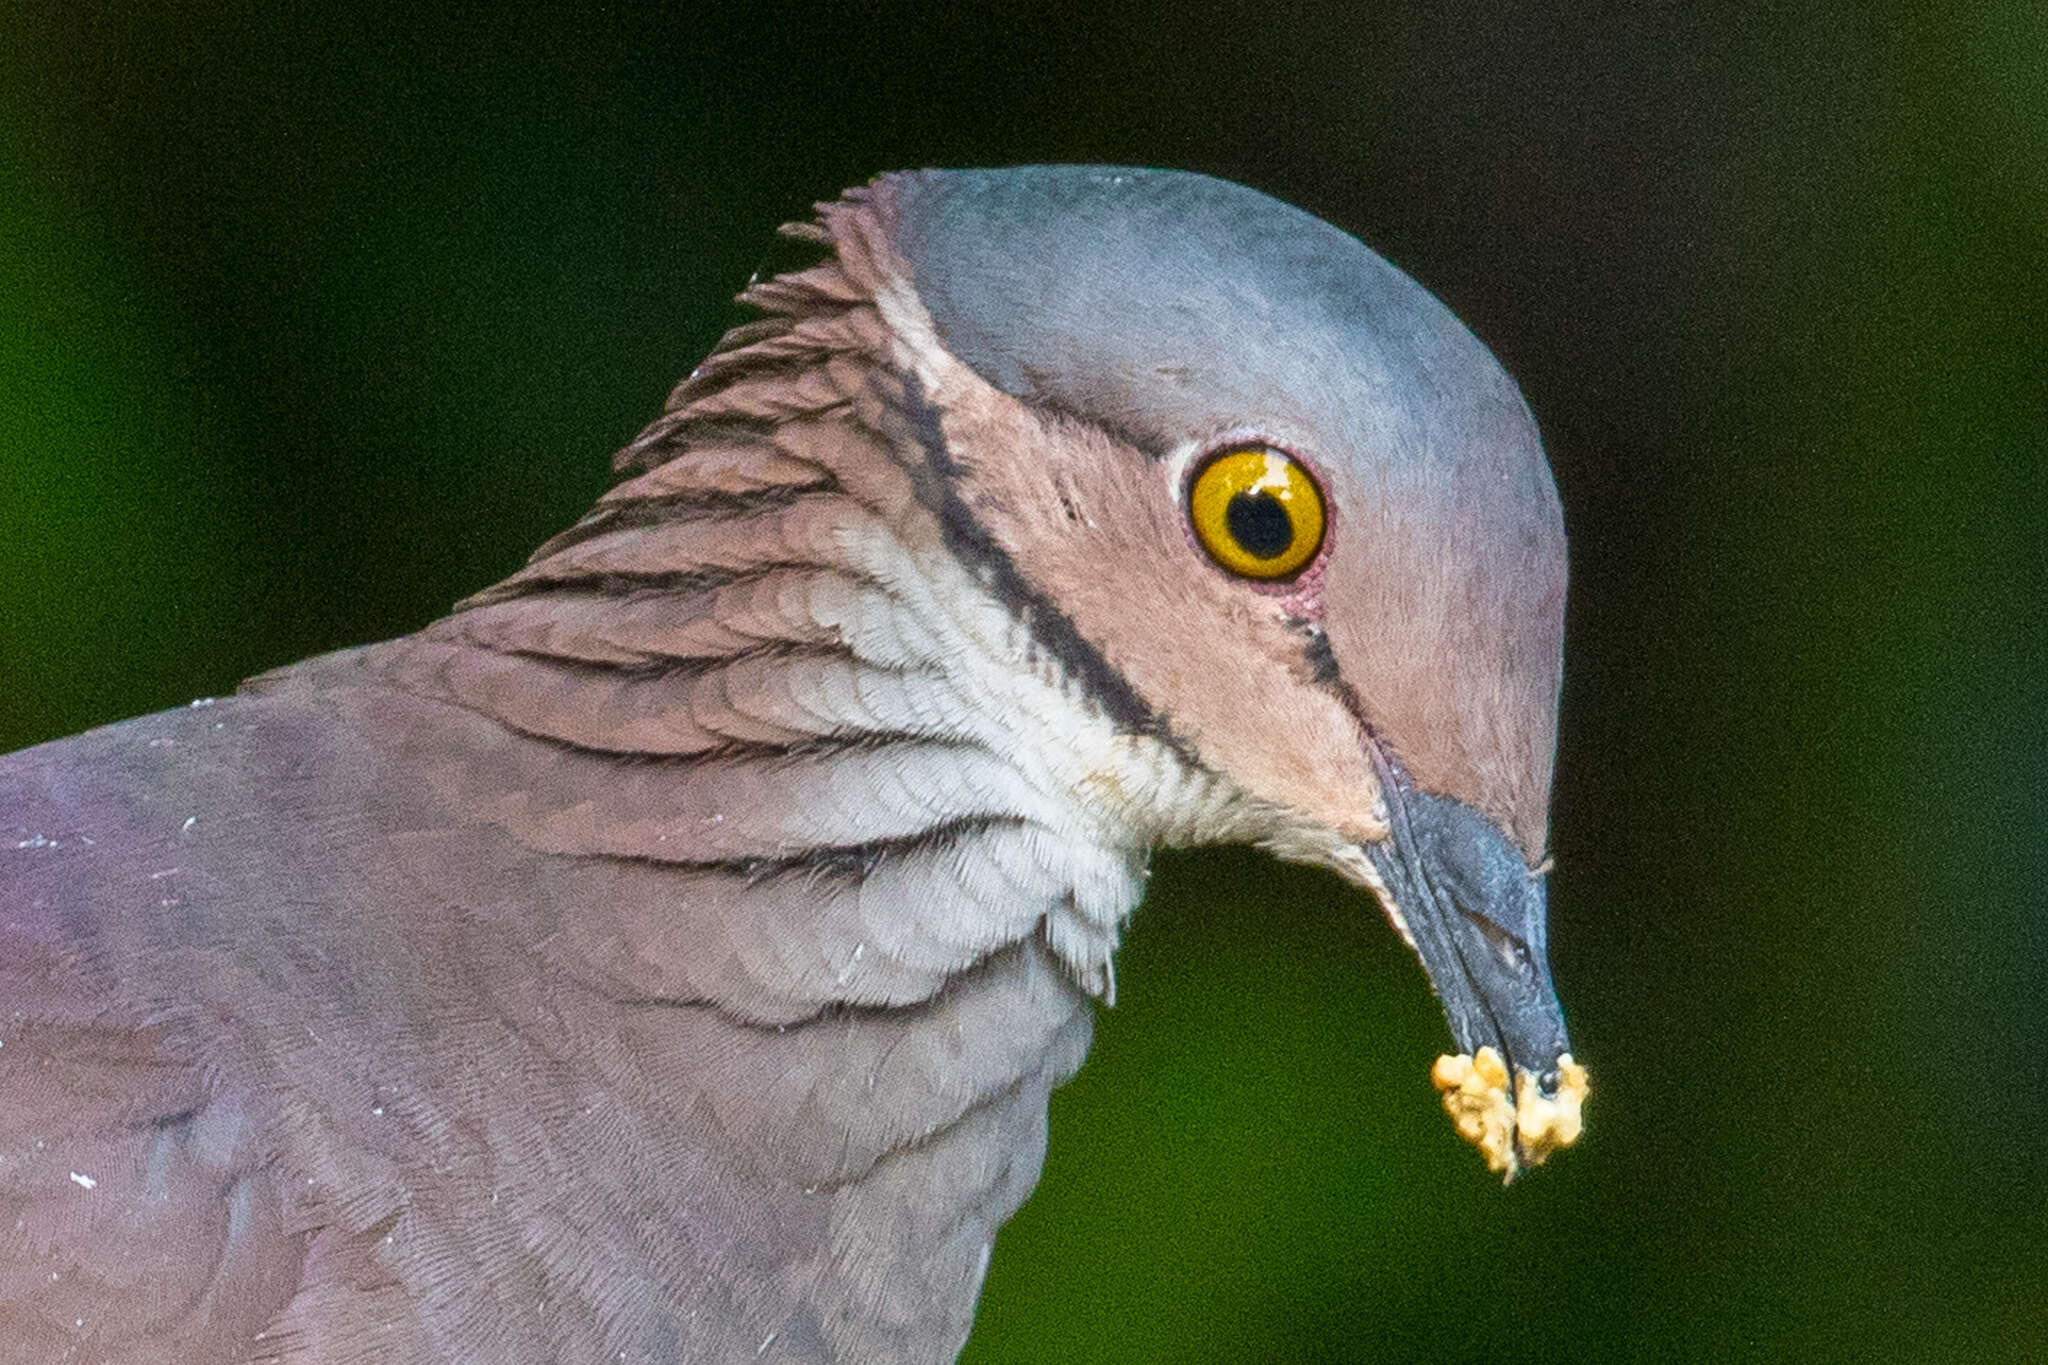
(1259, 523)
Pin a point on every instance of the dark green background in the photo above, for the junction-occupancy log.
(312, 323)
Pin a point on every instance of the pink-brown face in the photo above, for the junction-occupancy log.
(1224, 666)
(1383, 634)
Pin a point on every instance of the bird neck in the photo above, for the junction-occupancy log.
(801, 786)
(765, 667)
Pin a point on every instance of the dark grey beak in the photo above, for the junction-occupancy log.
(1475, 914)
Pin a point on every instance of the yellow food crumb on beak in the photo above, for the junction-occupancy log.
(1510, 1134)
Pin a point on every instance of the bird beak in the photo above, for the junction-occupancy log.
(1462, 897)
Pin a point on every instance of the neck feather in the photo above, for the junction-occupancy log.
(759, 669)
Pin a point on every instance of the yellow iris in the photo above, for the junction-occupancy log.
(1257, 512)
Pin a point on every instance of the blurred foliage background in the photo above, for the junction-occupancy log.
(311, 323)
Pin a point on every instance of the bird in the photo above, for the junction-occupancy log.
(668, 954)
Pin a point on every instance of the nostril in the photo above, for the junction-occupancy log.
(1512, 952)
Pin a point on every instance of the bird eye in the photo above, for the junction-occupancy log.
(1257, 512)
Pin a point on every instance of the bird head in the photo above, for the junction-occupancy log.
(1297, 521)
(1268, 541)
